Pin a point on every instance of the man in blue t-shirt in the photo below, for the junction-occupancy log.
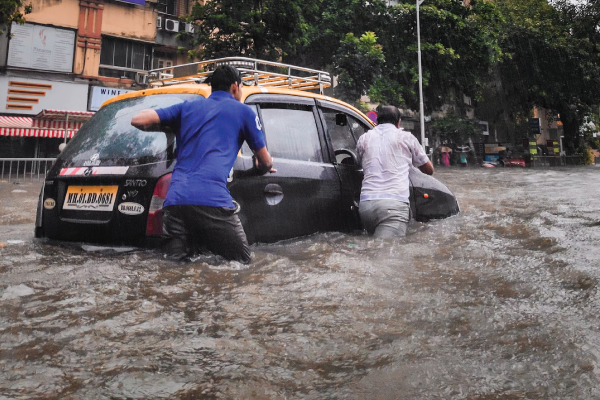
(199, 210)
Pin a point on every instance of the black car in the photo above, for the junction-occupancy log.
(109, 183)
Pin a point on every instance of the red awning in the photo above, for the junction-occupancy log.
(16, 122)
(48, 123)
(63, 115)
(33, 132)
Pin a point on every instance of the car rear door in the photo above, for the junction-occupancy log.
(303, 196)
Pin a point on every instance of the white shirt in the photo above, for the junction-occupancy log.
(386, 153)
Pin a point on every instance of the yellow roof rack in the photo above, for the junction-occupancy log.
(254, 72)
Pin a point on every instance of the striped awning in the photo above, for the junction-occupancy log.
(47, 124)
(63, 115)
(50, 124)
(16, 122)
(33, 132)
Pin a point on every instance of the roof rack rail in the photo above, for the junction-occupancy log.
(254, 72)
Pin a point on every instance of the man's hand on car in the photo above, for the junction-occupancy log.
(146, 120)
(261, 169)
(263, 162)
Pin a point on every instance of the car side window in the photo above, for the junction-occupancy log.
(291, 132)
(358, 128)
(338, 126)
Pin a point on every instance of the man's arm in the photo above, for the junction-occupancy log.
(359, 151)
(146, 120)
(263, 161)
(419, 157)
(427, 168)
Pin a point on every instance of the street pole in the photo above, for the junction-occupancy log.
(421, 107)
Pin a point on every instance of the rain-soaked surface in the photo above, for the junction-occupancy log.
(500, 302)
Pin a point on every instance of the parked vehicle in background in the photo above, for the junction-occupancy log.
(110, 182)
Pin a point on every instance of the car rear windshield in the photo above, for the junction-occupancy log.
(109, 134)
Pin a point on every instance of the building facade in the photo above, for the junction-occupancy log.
(72, 55)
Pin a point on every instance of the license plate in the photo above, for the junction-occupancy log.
(90, 198)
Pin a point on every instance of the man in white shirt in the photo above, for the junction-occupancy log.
(385, 154)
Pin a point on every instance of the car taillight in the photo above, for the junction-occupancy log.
(155, 220)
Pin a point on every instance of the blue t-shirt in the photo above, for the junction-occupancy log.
(210, 132)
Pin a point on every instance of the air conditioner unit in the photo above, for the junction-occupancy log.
(485, 128)
(159, 22)
(189, 27)
(171, 25)
(141, 78)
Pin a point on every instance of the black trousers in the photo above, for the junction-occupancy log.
(192, 229)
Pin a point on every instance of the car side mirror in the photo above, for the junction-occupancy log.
(341, 119)
(346, 157)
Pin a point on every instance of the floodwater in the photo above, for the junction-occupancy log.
(500, 302)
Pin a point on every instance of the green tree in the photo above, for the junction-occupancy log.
(458, 45)
(13, 11)
(551, 59)
(357, 64)
(453, 128)
(267, 29)
(459, 42)
(328, 23)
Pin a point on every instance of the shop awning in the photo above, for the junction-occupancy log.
(16, 122)
(63, 115)
(48, 123)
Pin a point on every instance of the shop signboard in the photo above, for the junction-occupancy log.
(553, 147)
(534, 126)
(99, 95)
(531, 146)
(41, 47)
(490, 148)
(36, 95)
(493, 148)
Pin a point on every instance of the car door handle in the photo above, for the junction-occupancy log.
(273, 189)
(273, 194)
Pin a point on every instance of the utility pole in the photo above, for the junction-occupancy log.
(421, 107)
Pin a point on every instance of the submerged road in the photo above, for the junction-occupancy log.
(499, 303)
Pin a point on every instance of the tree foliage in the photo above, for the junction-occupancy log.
(458, 46)
(357, 63)
(453, 128)
(458, 42)
(551, 61)
(267, 29)
(509, 55)
(13, 11)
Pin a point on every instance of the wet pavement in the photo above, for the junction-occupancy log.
(500, 302)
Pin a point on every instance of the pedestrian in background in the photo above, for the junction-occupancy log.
(386, 153)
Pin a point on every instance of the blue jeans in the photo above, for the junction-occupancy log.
(384, 218)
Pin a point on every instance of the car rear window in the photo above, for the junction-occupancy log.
(109, 134)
